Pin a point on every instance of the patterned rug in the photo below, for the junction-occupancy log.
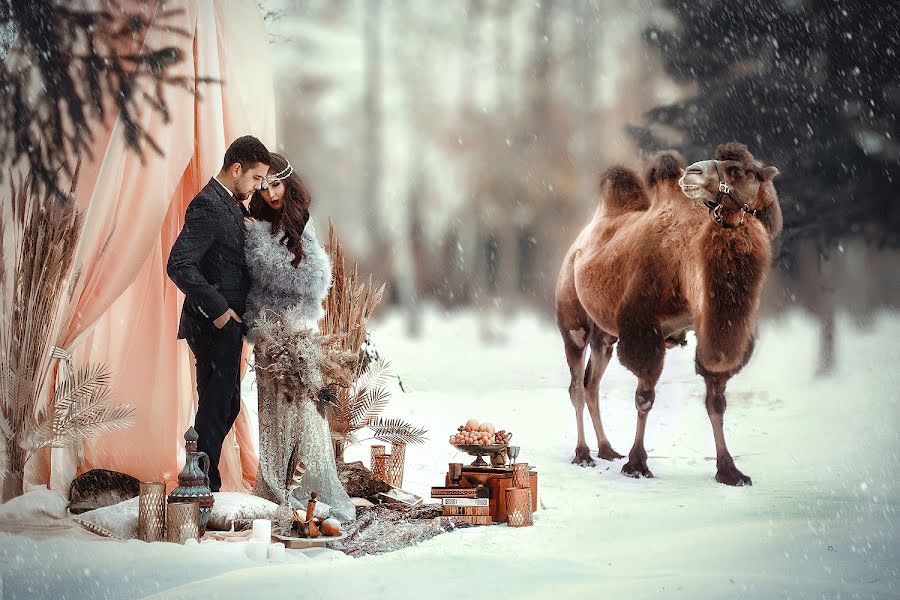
(389, 527)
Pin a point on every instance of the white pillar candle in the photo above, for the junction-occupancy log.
(257, 550)
(262, 530)
(276, 552)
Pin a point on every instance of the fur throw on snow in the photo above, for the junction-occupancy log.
(275, 284)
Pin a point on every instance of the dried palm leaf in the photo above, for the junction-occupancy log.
(81, 409)
(397, 430)
(369, 406)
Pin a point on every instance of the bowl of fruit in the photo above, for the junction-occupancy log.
(480, 439)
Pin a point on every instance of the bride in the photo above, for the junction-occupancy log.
(290, 276)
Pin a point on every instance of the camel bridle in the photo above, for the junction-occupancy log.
(717, 206)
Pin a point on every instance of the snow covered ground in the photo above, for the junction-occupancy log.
(820, 520)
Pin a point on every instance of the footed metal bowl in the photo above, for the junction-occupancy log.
(480, 450)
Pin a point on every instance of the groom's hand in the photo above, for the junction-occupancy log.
(223, 320)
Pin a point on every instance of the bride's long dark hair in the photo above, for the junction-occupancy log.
(293, 216)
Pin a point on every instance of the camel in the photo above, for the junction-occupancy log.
(685, 249)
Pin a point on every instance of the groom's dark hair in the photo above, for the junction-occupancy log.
(246, 150)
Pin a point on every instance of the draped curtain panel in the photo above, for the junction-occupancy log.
(124, 310)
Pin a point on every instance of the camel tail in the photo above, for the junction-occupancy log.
(664, 166)
(621, 190)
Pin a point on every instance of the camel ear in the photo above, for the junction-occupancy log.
(769, 173)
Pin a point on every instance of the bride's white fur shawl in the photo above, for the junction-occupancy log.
(275, 284)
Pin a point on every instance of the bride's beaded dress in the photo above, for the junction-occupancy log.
(291, 429)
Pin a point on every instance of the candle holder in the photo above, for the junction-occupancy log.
(381, 466)
(182, 522)
(152, 511)
(520, 476)
(376, 450)
(394, 472)
(518, 507)
(396, 464)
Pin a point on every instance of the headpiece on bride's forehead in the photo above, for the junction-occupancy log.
(280, 175)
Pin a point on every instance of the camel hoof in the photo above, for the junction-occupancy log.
(728, 474)
(607, 453)
(637, 468)
(731, 476)
(583, 457)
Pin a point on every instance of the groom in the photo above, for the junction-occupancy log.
(207, 264)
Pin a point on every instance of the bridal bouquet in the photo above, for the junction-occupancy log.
(299, 359)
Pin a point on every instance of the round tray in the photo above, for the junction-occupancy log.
(295, 543)
(480, 450)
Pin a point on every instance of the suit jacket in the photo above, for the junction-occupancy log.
(207, 260)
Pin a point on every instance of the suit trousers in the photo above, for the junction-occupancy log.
(218, 358)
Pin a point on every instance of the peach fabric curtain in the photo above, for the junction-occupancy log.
(124, 310)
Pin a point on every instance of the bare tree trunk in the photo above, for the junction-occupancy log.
(502, 61)
(418, 251)
(471, 48)
(539, 92)
(372, 143)
(584, 28)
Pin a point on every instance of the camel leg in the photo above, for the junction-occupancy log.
(575, 342)
(637, 459)
(601, 352)
(726, 471)
(642, 351)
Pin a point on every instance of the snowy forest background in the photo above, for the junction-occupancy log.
(457, 147)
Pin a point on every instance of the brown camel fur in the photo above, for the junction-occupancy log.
(681, 249)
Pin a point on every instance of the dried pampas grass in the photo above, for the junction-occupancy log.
(362, 392)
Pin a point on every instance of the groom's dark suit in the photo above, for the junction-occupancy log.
(207, 264)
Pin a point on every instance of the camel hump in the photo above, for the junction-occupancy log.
(664, 166)
(621, 190)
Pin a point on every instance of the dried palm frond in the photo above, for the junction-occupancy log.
(371, 395)
(397, 430)
(81, 409)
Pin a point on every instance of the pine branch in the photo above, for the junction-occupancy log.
(88, 63)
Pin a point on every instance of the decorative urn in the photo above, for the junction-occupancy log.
(193, 481)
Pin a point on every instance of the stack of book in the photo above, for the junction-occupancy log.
(465, 505)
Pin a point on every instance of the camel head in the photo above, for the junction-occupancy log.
(733, 180)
